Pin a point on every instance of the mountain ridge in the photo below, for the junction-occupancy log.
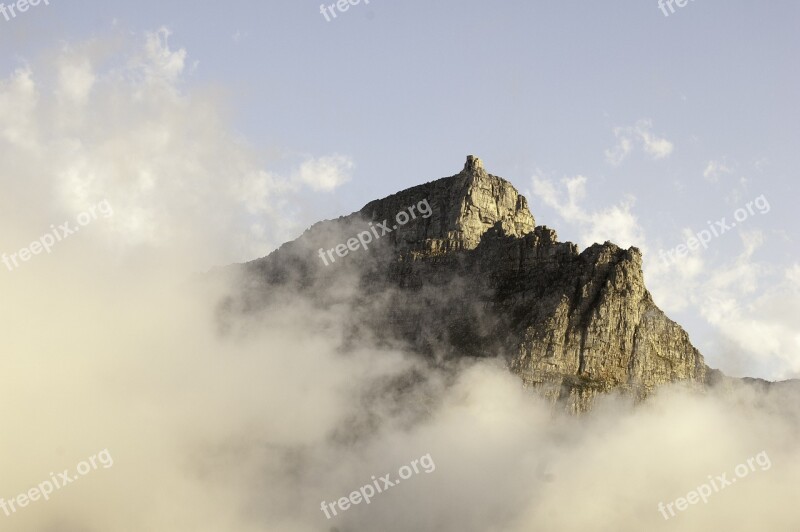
(477, 277)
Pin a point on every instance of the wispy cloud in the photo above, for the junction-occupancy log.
(163, 154)
(639, 134)
(616, 223)
(716, 169)
(325, 173)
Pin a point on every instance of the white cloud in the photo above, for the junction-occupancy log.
(793, 275)
(325, 173)
(76, 79)
(161, 63)
(766, 328)
(751, 312)
(162, 155)
(620, 152)
(18, 98)
(616, 223)
(655, 146)
(641, 133)
(715, 169)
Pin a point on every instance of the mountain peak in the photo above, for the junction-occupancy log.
(464, 207)
(471, 275)
(473, 165)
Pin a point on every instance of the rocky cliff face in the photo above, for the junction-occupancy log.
(466, 206)
(475, 277)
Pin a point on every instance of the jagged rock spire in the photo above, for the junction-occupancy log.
(474, 166)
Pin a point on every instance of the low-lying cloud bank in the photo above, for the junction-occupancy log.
(252, 431)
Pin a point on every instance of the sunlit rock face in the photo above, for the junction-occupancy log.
(471, 275)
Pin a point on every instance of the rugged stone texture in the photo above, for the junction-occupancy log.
(478, 278)
(467, 205)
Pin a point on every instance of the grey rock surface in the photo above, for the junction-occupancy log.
(478, 278)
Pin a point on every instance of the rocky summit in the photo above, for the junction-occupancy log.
(466, 272)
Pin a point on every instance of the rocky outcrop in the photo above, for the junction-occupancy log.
(466, 206)
(476, 277)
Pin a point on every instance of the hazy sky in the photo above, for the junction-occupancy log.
(618, 122)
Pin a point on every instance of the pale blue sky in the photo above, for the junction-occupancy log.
(536, 89)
